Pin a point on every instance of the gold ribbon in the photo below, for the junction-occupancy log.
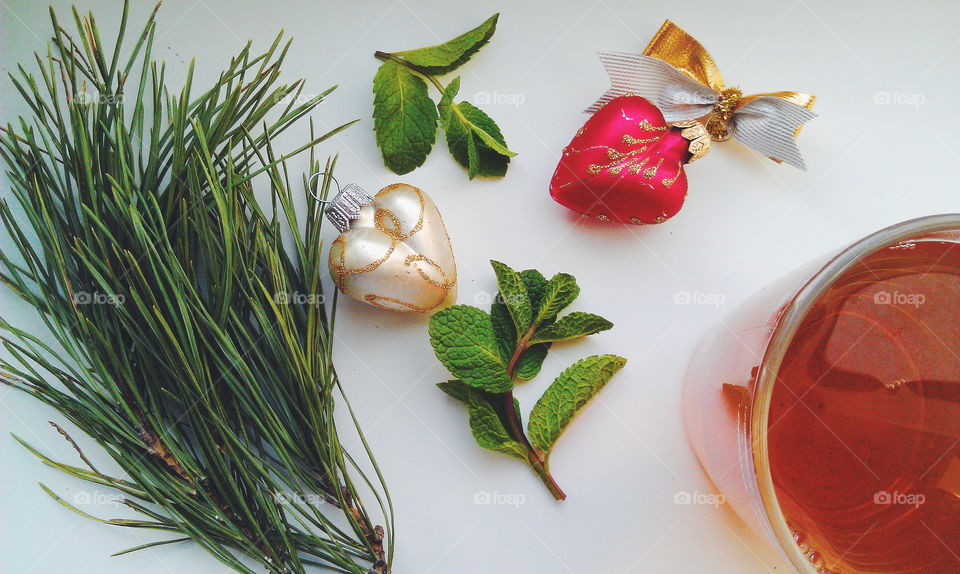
(671, 44)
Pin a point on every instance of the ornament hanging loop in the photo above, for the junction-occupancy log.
(345, 206)
(314, 190)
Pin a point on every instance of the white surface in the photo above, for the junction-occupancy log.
(746, 222)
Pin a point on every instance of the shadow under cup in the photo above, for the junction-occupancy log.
(826, 408)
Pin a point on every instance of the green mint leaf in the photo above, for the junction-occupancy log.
(567, 395)
(513, 292)
(486, 424)
(514, 449)
(503, 328)
(460, 139)
(529, 363)
(560, 291)
(404, 117)
(456, 389)
(572, 326)
(446, 57)
(473, 138)
(492, 162)
(486, 129)
(536, 284)
(463, 340)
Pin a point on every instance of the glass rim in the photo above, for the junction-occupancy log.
(787, 323)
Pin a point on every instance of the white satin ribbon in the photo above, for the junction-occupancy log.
(767, 124)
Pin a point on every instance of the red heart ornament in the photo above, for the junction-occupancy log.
(625, 165)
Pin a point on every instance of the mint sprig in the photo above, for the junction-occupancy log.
(406, 130)
(490, 352)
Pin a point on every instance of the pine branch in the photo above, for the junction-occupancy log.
(141, 246)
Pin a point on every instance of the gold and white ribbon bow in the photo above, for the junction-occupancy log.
(679, 77)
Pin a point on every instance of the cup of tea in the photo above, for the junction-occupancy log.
(826, 408)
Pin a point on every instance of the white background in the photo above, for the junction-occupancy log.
(747, 221)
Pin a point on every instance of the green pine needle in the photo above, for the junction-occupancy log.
(141, 246)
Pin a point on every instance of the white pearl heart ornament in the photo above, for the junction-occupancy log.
(393, 251)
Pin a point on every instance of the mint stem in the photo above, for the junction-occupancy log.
(536, 457)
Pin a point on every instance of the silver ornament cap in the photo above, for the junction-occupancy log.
(345, 207)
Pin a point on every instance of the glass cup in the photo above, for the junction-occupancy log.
(730, 381)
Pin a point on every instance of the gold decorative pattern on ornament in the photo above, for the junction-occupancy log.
(397, 233)
(630, 140)
(637, 167)
(694, 132)
(386, 221)
(446, 285)
(620, 160)
(668, 181)
(341, 268)
(647, 126)
(652, 171)
(375, 300)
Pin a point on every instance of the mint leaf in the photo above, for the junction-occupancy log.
(487, 426)
(529, 363)
(567, 395)
(572, 326)
(405, 120)
(473, 138)
(536, 283)
(513, 292)
(485, 422)
(446, 57)
(503, 328)
(463, 340)
(486, 129)
(514, 449)
(460, 138)
(456, 389)
(560, 291)
(492, 162)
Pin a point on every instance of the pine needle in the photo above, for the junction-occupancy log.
(190, 343)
